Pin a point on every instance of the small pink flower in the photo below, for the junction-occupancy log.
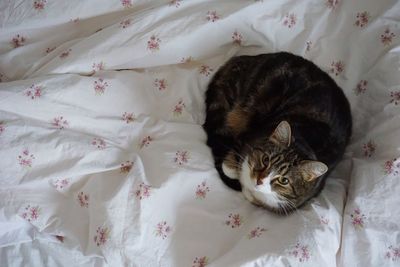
(160, 84)
(31, 213)
(2, 127)
(212, 16)
(361, 87)
(200, 262)
(60, 123)
(391, 167)
(65, 53)
(39, 4)
(187, 59)
(308, 46)
(163, 229)
(83, 199)
(393, 253)
(126, 3)
(61, 183)
(395, 97)
(202, 190)
(34, 91)
(153, 44)
(324, 220)
(143, 191)
(128, 117)
(332, 4)
(98, 66)
(337, 67)
(99, 143)
(145, 142)
(102, 235)
(178, 109)
(26, 158)
(125, 23)
(175, 3)
(362, 19)
(50, 49)
(100, 86)
(369, 148)
(387, 37)
(205, 70)
(290, 20)
(237, 38)
(301, 252)
(181, 157)
(358, 218)
(234, 220)
(18, 41)
(256, 232)
(126, 166)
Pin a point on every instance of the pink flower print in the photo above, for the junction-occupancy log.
(31, 213)
(323, 220)
(163, 229)
(126, 166)
(153, 44)
(256, 232)
(2, 127)
(308, 46)
(126, 3)
(301, 252)
(33, 92)
(50, 49)
(200, 262)
(212, 16)
(390, 167)
(26, 158)
(61, 183)
(175, 3)
(337, 67)
(39, 4)
(65, 53)
(98, 66)
(18, 41)
(83, 199)
(145, 142)
(143, 191)
(205, 70)
(395, 97)
(393, 253)
(361, 87)
(369, 148)
(125, 23)
(358, 218)
(290, 20)
(362, 19)
(181, 157)
(237, 38)
(332, 4)
(160, 84)
(100, 86)
(202, 190)
(234, 220)
(178, 109)
(60, 123)
(102, 235)
(128, 117)
(387, 37)
(187, 59)
(99, 143)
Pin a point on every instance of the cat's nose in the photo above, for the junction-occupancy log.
(259, 181)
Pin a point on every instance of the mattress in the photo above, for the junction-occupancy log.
(103, 160)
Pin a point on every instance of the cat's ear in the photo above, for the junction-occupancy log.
(282, 134)
(311, 170)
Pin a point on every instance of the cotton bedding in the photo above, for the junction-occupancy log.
(103, 160)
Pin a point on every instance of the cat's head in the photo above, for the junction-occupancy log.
(275, 176)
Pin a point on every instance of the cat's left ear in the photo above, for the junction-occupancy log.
(282, 134)
(311, 170)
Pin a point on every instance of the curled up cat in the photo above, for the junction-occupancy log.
(277, 125)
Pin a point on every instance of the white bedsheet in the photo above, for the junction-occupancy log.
(103, 160)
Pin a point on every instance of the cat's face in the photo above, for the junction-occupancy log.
(274, 176)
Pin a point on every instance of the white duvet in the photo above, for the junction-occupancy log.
(103, 160)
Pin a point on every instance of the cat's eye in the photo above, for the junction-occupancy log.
(283, 180)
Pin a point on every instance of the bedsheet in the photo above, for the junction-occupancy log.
(104, 161)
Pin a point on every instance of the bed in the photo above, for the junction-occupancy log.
(103, 160)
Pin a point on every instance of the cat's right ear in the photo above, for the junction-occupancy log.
(282, 135)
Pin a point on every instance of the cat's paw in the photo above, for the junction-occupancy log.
(231, 173)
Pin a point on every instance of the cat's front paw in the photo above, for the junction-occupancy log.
(231, 173)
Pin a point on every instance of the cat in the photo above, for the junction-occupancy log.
(277, 125)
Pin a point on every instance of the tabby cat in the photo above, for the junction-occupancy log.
(277, 125)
